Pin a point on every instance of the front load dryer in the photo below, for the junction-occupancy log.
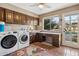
(23, 39)
(8, 42)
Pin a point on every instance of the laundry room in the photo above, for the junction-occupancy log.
(39, 29)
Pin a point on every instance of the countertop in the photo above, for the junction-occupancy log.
(46, 32)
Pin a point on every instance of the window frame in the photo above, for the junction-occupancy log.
(49, 17)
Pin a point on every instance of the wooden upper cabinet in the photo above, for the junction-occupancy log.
(17, 18)
(9, 16)
(32, 20)
(36, 21)
(28, 20)
(1, 14)
(23, 19)
(12, 17)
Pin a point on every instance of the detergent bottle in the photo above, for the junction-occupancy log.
(2, 25)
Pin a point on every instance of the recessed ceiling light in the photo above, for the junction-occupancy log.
(41, 6)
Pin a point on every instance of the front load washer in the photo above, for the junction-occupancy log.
(23, 39)
(8, 42)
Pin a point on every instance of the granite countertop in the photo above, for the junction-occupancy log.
(47, 32)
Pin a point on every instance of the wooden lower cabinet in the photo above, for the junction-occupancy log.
(40, 37)
(37, 37)
(54, 39)
(32, 39)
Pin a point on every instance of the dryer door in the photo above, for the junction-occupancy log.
(8, 41)
(23, 39)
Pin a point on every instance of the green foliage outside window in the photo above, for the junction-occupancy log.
(50, 24)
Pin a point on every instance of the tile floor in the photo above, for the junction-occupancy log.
(46, 50)
(58, 51)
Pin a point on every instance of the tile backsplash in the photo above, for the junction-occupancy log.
(15, 27)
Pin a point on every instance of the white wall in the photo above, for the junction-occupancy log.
(15, 27)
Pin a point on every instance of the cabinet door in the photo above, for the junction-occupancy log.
(1, 14)
(9, 16)
(56, 40)
(17, 18)
(23, 19)
(36, 21)
(29, 20)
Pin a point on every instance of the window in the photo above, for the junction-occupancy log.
(55, 23)
(47, 24)
(51, 23)
(71, 28)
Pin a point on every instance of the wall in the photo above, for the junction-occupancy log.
(15, 27)
(58, 12)
(17, 9)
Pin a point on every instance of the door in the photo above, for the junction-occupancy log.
(29, 20)
(2, 14)
(70, 30)
(8, 41)
(35, 21)
(9, 16)
(17, 18)
(23, 19)
(23, 39)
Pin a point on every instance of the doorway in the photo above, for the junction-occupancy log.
(70, 30)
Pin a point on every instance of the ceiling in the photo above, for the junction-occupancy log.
(38, 11)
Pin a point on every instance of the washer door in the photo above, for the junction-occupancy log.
(23, 39)
(9, 41)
